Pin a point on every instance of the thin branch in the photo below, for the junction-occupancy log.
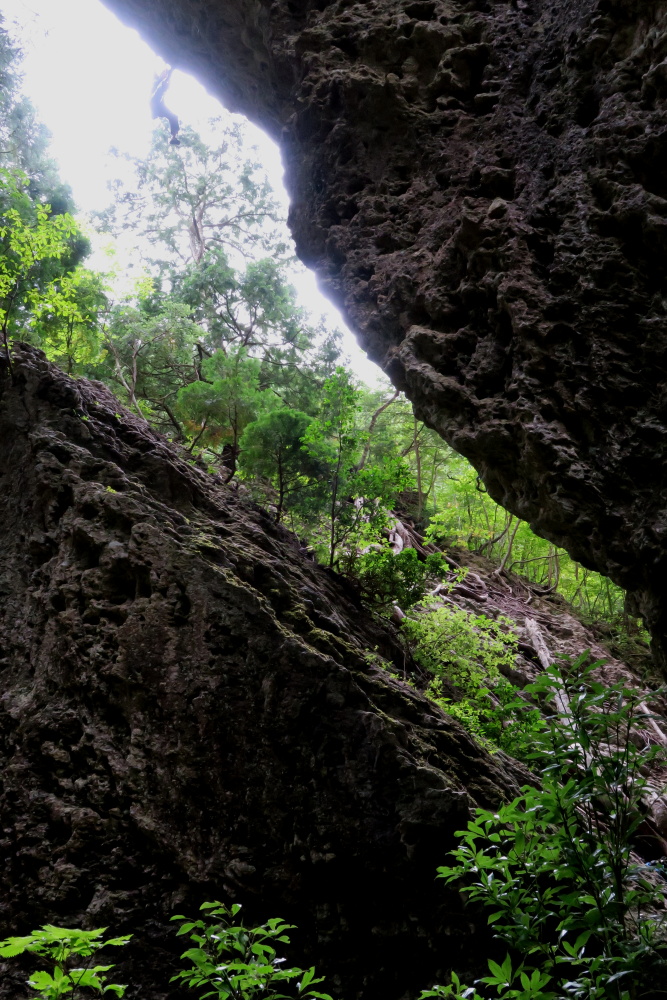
(371, 427)
(203, 428)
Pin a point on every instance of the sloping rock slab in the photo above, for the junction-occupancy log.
(189, 710)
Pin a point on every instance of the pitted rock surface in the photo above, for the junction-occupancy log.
(190, 709)
(481, 187)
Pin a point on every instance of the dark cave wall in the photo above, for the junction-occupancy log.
(191, 710)
(481, 187)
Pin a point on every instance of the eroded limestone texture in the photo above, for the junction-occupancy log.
(482, 187)
(190, 709)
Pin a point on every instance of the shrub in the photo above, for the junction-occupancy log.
(229, 960)
(467, 651)
(386, 578)
(555, 866)
(63, 946)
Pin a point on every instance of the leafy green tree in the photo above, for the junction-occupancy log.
(387, 578)
(40, 244)
(252, 308)
(30, 185)
(151, 354)
(67, 320)
(333, 441)
(191, 208)
(29, 236)
(351, 504)
(297, 372)
(217, 411)
(272, 449)
(155, 348)
(256, 309)
(187, 200)
(393, 432)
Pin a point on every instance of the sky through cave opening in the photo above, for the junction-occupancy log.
(90, 78)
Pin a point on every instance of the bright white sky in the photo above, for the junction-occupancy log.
(90, 78)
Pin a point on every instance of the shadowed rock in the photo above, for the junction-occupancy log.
(481, 187)
(191, 710)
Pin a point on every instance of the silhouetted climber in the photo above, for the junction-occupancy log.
(158, 109)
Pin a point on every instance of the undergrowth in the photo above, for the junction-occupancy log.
(582, 918)
(386, 579)
(466, 653)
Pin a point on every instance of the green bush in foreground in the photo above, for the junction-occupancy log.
(580, 916)
(229, 960)
(63, 948)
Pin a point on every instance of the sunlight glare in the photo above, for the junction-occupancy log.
(90, 78)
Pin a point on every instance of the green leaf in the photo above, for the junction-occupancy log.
(14, 946)
(41, 980)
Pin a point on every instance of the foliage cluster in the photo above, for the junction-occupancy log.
(33, 243)
(387, 578)
(583, 918)
(230, 960)
(226, 960)
(468, 653)
(465, 515)
(63, 948)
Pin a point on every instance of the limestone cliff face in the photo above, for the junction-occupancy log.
(482, 186)
(190, 709)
